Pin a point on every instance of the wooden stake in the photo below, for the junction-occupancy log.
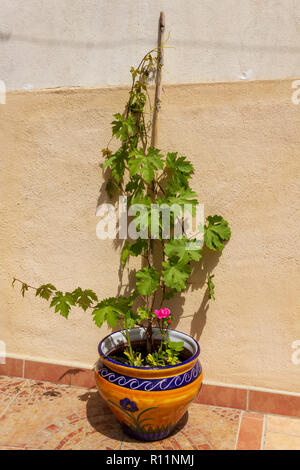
(158, 89)
(157, 102)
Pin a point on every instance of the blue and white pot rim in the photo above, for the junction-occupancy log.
(188, 340)
(148, 384)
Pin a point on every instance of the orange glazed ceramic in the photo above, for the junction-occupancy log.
(147, 401)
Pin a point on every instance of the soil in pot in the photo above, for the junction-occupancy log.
(117, 354)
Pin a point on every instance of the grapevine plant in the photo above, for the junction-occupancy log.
(146, 177)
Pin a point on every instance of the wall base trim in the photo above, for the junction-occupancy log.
(251, 399)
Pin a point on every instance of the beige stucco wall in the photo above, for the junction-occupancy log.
(243, 139)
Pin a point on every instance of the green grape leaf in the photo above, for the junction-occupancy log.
(143, 313)
(183, 249)
(45, 291)
(176, 345)
(145, 165)
(62, 303)
(133, 249)
(130, 319)
(112, 309)
(175, 274)
(117, 164)
(211, 287)
(179, 163)
(123, 127)
(24, 288)
(110, 161)
(99, 315)
(180, 171)
(112, 318)
(135, 186)
(216, 232)
(84, 298)
(148, 281)
(111, 187)
(181, 197)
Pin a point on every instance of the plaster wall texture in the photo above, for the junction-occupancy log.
(65, 43)
(243, 139)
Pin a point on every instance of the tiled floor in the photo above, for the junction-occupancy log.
(41, 415)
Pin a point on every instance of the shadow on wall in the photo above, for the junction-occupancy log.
(197, 282)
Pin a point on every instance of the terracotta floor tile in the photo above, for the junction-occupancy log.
(9, 384)
(43, 415)
(9, 388)
(250, 435)
(5, 400)
(219, 431)
(283, 425)
(278, 441)
(49, 416)
(204, 430)
(227, 413)
(35, 405)
(258, 416)
(83, 378)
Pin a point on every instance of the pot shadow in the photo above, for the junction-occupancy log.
(104, 422)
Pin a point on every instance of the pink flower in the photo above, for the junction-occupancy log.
(162, 313)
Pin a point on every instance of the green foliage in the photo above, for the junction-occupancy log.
(45, 291)
(144, 165)
(84, 298)
(175, 274)
(147, 177)
(181, 249)
(123, 127)
(179, 164)
(133, 249)
(168, 354)
(176, 345)
(211, 287)
(62, 303)
(111, 310)
(135, 359)
(24, 288)
(148, 281)
(144, 313)
(216, 232)
(180, 170)
(180, 196)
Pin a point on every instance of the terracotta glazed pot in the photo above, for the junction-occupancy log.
(148, 402)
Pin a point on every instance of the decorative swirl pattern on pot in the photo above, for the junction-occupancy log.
(151, 385)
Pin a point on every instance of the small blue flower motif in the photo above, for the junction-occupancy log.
(128, 405)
